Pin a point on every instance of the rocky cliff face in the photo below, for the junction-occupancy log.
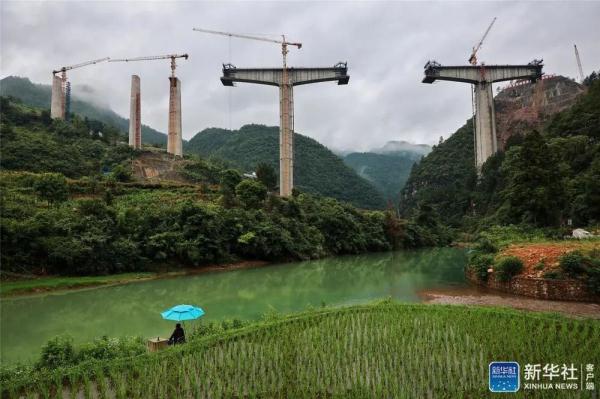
(524, 106)
(154, 166)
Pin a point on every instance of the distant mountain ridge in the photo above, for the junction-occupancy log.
(317, 170)
(387, 167)
(38, 95)
(402, 146)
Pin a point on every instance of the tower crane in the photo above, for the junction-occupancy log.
(284, 43)
(578, 63)
(64, 69)
(61, 89)
(286, 108)
(473, 57)
(156, 57)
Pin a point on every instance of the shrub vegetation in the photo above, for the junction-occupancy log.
(507, 267)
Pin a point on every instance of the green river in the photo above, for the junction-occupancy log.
(133, 309)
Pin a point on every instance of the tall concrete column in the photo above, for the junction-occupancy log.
(174, 140)
(485, 123)
(286, 140)
(135, 117)
(57, 103)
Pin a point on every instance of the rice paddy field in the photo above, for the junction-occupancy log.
(381, 350)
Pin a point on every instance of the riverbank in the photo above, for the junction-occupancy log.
(479, 296)
(28, 285)
(536, 264)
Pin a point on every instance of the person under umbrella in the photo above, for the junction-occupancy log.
(181, 313)
(178, 336)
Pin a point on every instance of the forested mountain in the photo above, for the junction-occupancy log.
(316, 169)
(32, 141)
(388, 172)
(69, 204)
(543, 177)
(38, 95)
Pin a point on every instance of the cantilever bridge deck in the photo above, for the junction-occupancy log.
(273, 76)
(482, 73)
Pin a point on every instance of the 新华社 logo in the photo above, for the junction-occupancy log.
(504, 377)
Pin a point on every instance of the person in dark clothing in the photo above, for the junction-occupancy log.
(178, 336)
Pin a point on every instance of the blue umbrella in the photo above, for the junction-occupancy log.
(182, 312)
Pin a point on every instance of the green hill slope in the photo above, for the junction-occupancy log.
(38, 95)
(542, 177)
(444, 178)
(317, 170)
(387, 172)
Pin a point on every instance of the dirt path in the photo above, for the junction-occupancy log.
(482, 297)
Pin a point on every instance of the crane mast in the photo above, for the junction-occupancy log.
(578, 63)
(473, 57)
(156, 57)
(61, 89)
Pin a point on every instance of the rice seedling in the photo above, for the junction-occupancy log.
(379, 350)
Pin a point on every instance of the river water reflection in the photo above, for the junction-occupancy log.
(133, 309)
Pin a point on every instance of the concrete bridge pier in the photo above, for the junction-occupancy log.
(486, 143)
(286, 139)
(174, 145)
(57, 103)
(135, 118)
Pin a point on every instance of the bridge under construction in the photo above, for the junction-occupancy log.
(285, 80)
(482, 77)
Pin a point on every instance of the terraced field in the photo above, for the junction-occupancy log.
(379, 350)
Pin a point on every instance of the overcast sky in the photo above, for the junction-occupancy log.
(385, 44)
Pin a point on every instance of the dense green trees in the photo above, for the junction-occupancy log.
(33, 142)
(533, 189)
(51, 187)
(141, 229)
(541, 179)
(251, 193)
(444, 179)
(108, 227)
(267, 176)
(230, 178)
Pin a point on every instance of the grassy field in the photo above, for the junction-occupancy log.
(370, 351)
(42, 284)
